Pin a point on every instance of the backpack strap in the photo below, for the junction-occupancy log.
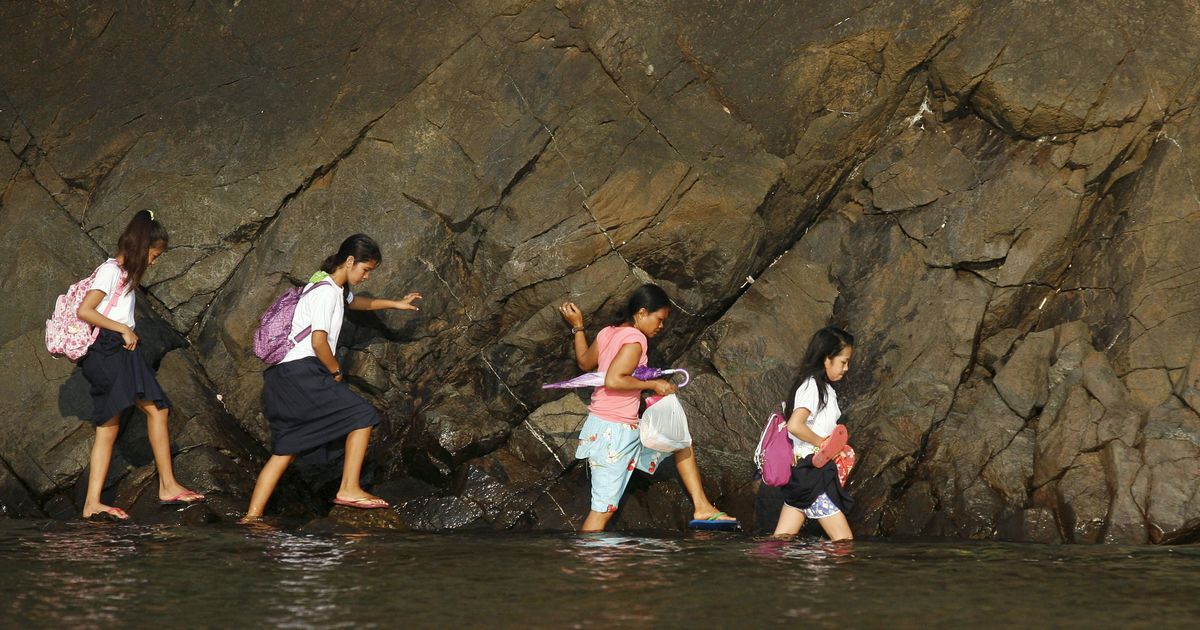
(112, 299)
(307, 329)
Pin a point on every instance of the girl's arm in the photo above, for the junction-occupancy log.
(619, 375)
(88, 313)
(798, 426)
(586, 357)
(360, 303)
(320, 344)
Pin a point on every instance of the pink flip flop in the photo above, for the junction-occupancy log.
(187, 497)
(831, 446)
(363, 503)
(845, 463)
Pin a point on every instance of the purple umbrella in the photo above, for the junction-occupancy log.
(596, 379)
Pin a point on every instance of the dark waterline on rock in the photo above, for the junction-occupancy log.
(75, 574)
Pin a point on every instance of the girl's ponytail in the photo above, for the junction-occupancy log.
(133, 247)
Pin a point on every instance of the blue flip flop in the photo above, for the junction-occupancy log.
(714, 523)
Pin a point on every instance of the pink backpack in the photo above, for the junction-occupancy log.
(271, 341)
(66, 334)
(774, 453)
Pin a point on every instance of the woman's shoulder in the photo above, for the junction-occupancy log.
(626, 334)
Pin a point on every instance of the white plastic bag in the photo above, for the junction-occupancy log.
(664, 426)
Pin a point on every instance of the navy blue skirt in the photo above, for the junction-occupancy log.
(310, 413)
(118, 378)
(808, 483)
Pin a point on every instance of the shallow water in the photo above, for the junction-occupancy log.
(80, 574)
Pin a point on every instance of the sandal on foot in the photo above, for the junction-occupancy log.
(831, 446)
(715, 522)
(363, 503)
(187, 497)
(107, 515)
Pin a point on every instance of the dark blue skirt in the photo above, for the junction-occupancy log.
(808, 483)
(310, 413)
(118, 378)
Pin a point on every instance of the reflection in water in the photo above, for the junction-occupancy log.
(304, 594)
(612, 562)
(82, 596)
(816, 554)
(54, 574)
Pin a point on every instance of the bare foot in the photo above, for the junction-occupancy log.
(100, 509)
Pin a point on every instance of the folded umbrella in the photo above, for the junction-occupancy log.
(596, 379)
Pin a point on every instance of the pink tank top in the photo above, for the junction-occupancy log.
(617, 405)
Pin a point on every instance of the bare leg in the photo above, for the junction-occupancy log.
(836, 527)
(689, 472)
(790, 522)
(265, 486)
(356, 452)
(160, 443)
(102, 448)
(595, 522)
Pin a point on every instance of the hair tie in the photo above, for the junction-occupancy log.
(151, 214)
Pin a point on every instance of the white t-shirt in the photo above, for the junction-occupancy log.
(323, 309)
(820, 422)
(108, 278)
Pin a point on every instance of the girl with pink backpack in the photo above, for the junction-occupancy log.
(313, 414)
(118, 372)
(818, 441)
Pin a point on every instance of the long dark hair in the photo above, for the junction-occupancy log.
(133, 247)
(648, 296)
(826, 343)
(362, 247)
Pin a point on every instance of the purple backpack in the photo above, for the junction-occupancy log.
(774, 453)
(271, 341)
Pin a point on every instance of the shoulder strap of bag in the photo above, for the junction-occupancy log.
(308, 329)
(116, 294)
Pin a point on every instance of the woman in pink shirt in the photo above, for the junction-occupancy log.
(609, 438)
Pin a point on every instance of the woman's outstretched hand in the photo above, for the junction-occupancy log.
(407, 303)
(570, 312)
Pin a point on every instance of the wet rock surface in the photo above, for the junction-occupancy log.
(998, 201)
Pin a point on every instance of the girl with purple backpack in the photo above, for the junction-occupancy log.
(118, 372)
(814, 490)
(309, 407)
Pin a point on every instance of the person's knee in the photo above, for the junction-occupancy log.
(107, 433)
(154, 414)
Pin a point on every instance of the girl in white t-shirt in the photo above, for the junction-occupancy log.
(313, 415)
(119, 374)
(816, 492)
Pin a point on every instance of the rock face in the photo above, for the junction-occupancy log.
(998, 200)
